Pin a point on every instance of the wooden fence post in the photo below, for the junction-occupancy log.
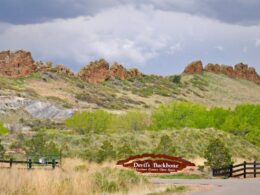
(53, 163)
(244, 169)
(30, 164)
(254, 168)
(231, 170)
(11, 162)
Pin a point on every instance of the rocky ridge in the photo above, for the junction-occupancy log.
(241, 70)
(21, 63)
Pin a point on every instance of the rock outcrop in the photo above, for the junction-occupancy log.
(16, 64)
(43, 66)
(117, 70)
(38, 109)
(242, 71)
(246, 72)
(194, 67)
(95, 72)
(99, 71)
(61, 69)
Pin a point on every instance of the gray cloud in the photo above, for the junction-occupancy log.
(244, 12)
(36, 11)
(155, 40)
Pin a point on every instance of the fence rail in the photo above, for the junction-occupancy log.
(248, 168)
(53, 163)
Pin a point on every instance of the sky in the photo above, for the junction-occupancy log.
(155, 36)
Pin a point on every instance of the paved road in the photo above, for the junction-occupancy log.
(223, 186)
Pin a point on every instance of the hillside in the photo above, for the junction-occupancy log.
(37, 99)
(68, 93)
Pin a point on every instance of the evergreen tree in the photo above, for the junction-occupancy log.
(217, 155)
(165, 146)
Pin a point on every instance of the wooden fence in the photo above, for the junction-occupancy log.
(243, 169)
(30, 162)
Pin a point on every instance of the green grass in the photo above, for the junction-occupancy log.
(188, 143)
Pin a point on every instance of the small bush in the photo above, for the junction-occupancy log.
(175, 79)
(106, 152)
(217, 155)
(39, 145)
(3, 130)
(2, 150)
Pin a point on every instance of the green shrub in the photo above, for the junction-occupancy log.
(106, 152)
(85, 122)
(175, 79)
(217, 155)
(124, 151)
(3, 130)
(39, 145)
(179, 115)
(243, 121)
(2, 151)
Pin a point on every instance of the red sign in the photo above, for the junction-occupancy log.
(155, 163)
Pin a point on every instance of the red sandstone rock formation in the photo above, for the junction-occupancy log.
(246, 72)
(95, 72)
(16, 64)
(99, 71)
(241, 70)
(194, 67)
(61, 69)
(117, 70)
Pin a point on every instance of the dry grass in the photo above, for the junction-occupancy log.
(76, 177)
(222, 91)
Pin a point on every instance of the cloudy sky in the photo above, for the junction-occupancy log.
(157, 36)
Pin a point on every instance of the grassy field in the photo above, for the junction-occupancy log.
(79, 177)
